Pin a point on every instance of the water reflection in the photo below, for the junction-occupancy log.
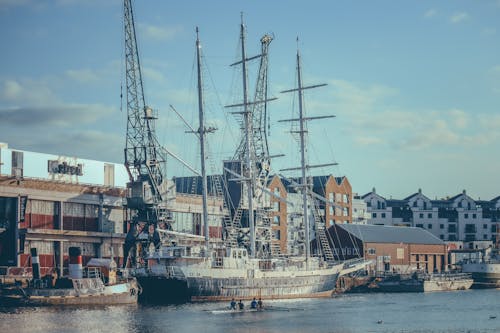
(470, 311)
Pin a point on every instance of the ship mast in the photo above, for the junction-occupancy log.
(304, 167)
(201, 135)
(249, 129)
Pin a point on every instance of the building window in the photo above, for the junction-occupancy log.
(331, 222)
(429, 215)
(383, 215)
(493, 228)
(485, 226)
(470, 228)
(441, 236)
(474, 215)
(441, 226)
(276, 234)
(330, 210)
(452, 228)
(429, 226)
(421, 215)
(452, 238)
(466, 216)
(276, 207)
(374, 215)
(485, 236)
(276, 220)
(371, 251)
(345, 198)
(419, 225)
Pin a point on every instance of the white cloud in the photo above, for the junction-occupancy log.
(152, 74)
(27, 91)
(430, 13)
(459, 17)
(11, 90)
(159, 33)
(368, 140)
(459, 118)
(372, 122)
(82, 75)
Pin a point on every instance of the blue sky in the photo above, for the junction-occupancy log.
(414, 85)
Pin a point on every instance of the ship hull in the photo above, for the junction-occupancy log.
(224, 289)
(433, 283)
(163, 289)
(485, 275)
(121, 293)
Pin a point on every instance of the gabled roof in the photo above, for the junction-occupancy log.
(389, 234)
(374, 193)
(419, 193)
(495, 199)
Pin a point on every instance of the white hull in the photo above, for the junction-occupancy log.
(204, 279)
(485, 275)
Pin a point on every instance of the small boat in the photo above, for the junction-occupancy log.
(97, 284)
(251, 310)
(424, 283)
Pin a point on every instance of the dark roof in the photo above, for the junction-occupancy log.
(411, 196)
(485, 204)
(193, 185)
(396, 203)
(319, 184)
(390, 234)
(372, 192)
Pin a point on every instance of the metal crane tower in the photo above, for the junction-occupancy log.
(143, 158)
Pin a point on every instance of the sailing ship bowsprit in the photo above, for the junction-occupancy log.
(245, 264)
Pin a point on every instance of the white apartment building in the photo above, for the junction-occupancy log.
(459, 218)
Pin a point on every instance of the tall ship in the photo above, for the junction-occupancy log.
(172, 266)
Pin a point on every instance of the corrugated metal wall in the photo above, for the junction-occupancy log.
(40, 215)
(77, 216)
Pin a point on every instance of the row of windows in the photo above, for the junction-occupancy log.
(421, 215)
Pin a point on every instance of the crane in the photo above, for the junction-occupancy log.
(144, 158)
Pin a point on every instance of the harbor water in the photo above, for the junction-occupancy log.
(463, 311)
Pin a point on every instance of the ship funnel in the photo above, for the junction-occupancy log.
(35, 263)
(75, 263)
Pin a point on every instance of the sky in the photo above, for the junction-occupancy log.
(414, 85)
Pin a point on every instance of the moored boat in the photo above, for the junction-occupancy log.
(424, 283)
(484, 268)
(97, 284)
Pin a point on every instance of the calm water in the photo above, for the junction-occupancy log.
(464, 311)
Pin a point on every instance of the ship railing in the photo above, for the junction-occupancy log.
(92, 272)
(353, 262)
(450, 276)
